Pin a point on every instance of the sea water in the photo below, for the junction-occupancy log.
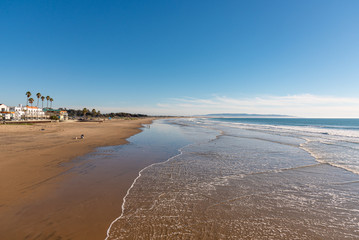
(249, 179)
(331, 141)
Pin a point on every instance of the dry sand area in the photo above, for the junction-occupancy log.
(32, 160)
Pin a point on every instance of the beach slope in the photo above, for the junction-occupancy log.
(32, 161)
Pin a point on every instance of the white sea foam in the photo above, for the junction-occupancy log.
(296, 129)
(336, 147)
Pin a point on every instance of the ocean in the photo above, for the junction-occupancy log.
(331, 141)
(247, 178)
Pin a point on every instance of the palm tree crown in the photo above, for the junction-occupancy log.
(31, 100)
(38, 95)
(84, 111)
(51, 100)
(28, 94)
(94, 112)
(47, 98)
(42, 99)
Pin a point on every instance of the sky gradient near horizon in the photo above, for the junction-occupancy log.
(295, 58)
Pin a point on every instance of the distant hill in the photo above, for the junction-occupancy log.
(246, 115)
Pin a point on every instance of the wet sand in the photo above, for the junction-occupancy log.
(35, 161)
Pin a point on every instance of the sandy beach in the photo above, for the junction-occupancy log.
(33, 161)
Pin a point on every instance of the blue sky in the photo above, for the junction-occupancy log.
(184, 57)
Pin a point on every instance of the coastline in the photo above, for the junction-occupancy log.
(33, 161)
(124, 191)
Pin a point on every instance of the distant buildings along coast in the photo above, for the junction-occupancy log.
(22, 113)
(30, 113)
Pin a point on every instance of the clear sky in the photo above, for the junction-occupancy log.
(184, 57)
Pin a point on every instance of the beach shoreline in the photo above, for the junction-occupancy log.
(260, 179)
(237, 183)
(33, 161)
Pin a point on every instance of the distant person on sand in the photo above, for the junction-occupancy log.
(82, 136)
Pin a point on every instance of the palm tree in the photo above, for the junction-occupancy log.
(42, 99)
(31, 100)
(47, 98)
(98, 113)
(38, 95)
(28, 94)
(51, 100)
(84, 111)
(93, 112)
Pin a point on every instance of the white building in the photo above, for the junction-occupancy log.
(3, 108)
(5, 112)
(21, 113)
(33, 113)
(18, 112)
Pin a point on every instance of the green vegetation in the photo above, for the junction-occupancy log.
(30, 100)
(17, 123)
(54, 117)
(28, 94)
(38, 95)
(85, 113)
(47, 98)
(42, 99)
